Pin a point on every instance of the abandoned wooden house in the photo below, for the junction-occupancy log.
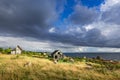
(17, 50)
(57, 55)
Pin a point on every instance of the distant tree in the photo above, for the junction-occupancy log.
(98, 57)
(1, 49)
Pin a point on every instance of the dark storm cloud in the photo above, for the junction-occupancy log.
(34, 18)
(26, 17)
(83, 15)
(92, 37)
(112, 15)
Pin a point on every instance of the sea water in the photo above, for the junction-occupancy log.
(104, 55)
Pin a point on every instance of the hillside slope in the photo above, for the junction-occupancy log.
(13, 67)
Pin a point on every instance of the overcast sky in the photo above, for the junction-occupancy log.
(67, 25)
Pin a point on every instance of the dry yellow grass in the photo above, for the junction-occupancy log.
(14, 67)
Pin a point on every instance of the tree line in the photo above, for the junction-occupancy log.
(5, 51)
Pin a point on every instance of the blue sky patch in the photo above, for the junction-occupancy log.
(91, 3)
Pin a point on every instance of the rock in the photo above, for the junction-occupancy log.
(55, 61)
(27, 64)
(72, 60)
(84, 57)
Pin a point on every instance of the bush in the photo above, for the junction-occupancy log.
(7, 51)
(1, 49)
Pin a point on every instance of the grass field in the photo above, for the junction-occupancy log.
(14, 67)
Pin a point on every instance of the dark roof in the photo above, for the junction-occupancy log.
(55, 52)
(19, 47)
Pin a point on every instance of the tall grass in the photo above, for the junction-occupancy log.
(12, 68)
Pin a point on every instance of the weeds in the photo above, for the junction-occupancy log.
(12, 68)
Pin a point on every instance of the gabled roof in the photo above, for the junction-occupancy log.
(56, 52)
(16, 47)
(19, 47)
